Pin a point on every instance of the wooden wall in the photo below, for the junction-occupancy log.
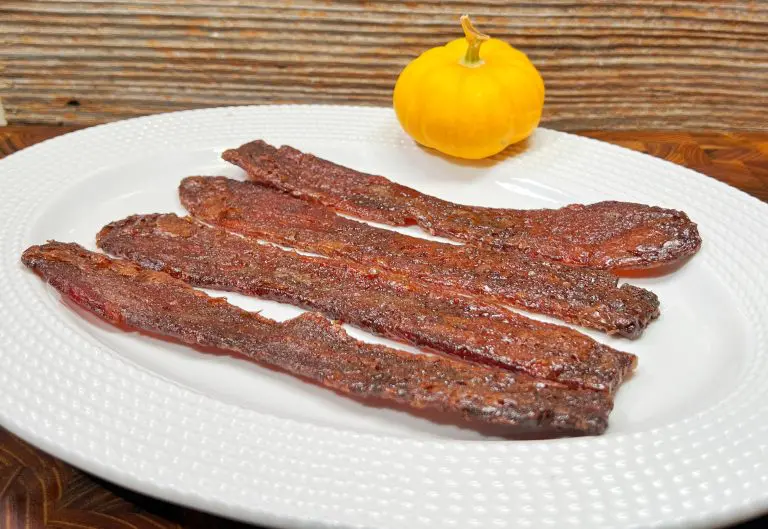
(612, 65)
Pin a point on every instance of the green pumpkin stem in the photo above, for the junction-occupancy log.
(475, 39)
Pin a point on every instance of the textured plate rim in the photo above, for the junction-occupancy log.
(59, 429)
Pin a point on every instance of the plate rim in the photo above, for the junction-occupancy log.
(175, 494)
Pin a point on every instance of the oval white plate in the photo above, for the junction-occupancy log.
(688, 441)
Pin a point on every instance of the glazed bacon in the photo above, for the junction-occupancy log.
(605, 235)
(582, 296)
(384, 303)
(311, 346)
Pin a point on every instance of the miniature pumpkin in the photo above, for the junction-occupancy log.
(470, 98)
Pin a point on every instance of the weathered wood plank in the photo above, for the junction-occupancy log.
(647, 63)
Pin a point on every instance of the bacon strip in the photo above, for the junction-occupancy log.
(605, 235)
(586, 297)
(381, 302)
(311, 346)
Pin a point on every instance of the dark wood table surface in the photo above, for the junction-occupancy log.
(39, 491)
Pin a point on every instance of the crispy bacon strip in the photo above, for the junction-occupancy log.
(311, 346)
(606, 235)
(586, 297)
(385, 303)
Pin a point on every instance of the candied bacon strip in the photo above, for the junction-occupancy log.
(381, 302)
(583, 296)
(311, 346)
(605, 235)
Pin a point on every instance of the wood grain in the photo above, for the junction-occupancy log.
(738, 159)
(607, 65)
(39, 491)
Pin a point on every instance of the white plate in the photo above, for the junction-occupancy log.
(688, 441)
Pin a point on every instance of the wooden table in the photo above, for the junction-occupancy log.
(37, 490)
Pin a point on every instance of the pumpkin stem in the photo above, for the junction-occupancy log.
(475, 39)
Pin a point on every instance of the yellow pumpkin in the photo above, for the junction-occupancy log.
(470, 98)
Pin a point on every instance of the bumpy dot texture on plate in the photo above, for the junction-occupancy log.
(64, 391)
